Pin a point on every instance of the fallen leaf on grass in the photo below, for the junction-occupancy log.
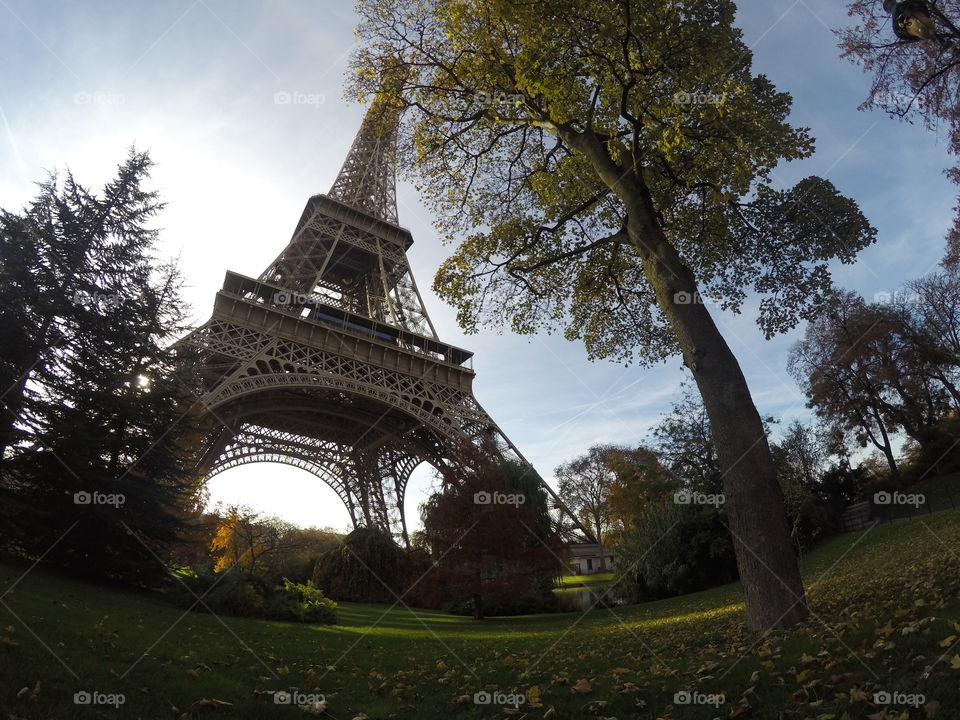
(317, 708)
(858, 695)
(26, 691)
(582, 686)
(211, 704)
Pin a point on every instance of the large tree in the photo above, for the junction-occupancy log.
(101, 412)
(245, 539)
(838, 365)
(684, 441)
(584, 485)
(48, 257)
(369, 566)
(805, 452)
(913, 80)
(877, 369)
(640, 481)
(611, 165)
(492, 542)
(801, 458)
(932, 317)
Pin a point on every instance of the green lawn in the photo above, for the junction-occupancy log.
(582, 580)
(885, 610)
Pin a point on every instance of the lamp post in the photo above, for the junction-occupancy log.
(914, 20)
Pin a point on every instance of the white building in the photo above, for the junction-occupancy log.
(589, 558)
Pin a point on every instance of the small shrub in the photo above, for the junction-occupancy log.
(306, 603)
(235, 595)
(243, 596)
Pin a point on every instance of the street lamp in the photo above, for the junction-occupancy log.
(912, 22)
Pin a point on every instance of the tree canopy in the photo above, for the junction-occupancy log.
(500, 114)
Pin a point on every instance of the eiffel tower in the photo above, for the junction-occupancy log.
(329, 361)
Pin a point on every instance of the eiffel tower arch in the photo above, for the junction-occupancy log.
(329, 361)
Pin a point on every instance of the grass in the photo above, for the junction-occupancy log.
(884, 618)
(584, 580)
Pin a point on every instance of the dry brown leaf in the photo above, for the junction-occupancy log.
(582, 686)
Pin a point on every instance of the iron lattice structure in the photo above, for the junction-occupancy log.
(329, 361)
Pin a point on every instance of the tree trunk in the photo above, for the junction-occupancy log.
(13, 401)
(766, 558)
(477, 596)
(12, 407)
(885, 447)
(754, 500)
(596, 521)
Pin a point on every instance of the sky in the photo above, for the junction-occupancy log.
(202, 85)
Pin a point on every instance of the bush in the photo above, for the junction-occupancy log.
(814, 523)
(673, 550)
(510, 594)
(241, 595)
(236, 596)
(368, 566)
(231, 594)
(303, 603)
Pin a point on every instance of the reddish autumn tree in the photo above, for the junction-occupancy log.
(913, 80)
(490, 536)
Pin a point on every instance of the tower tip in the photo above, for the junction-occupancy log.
(368, 177)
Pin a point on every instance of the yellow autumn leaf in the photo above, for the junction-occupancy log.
(857, 695)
